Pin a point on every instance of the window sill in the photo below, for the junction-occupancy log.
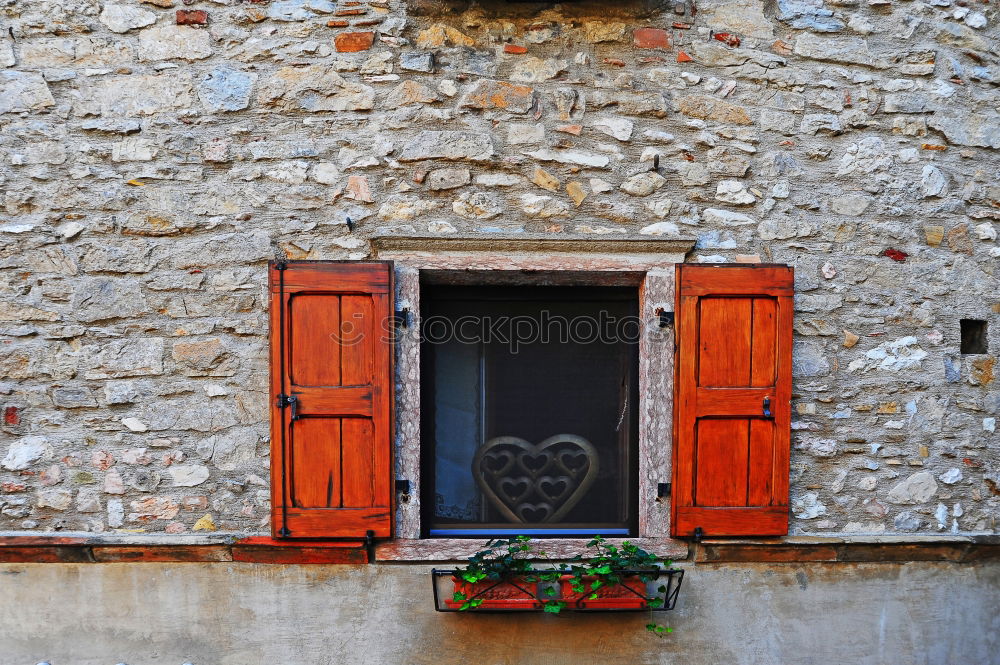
(460, 549)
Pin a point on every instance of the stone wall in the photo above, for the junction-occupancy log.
(154, 155)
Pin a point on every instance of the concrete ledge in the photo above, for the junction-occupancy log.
(27, 547)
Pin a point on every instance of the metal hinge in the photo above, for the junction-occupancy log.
(401, 318)
(662, 490)
(280, 265)
(666, 318)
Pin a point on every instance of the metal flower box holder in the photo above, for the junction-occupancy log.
(520, 595)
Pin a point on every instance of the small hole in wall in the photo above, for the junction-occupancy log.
(973, 335)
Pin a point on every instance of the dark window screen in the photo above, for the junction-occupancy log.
(529, 408)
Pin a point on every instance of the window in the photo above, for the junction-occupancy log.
(529, 409)
(362, 451)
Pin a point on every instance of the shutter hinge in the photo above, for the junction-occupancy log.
(402, 486)
(401, 317)
(666, 319)
(284, 532)
(662, 490)
(698, 534)
(280, 265)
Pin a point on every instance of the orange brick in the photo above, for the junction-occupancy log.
(515, 48)
(683, 57)
(192, 17)
(651, 38)
(352, 42)
(727, 39)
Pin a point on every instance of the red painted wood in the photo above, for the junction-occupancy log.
(733, 351)
(315, 460)
(342, 400)
(333, 477)
(731, 521)
(760, 484)
(269, 550)
(722, 458)
(40, 554)
(31, 541)
(352, 277)
(314, 329)
(734, 279)
(724, 360)
(765, 342)
(160, 553)
(730, 401)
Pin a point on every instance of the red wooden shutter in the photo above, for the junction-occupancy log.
(732, 400)
(331, 399)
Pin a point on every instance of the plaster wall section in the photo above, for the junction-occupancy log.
(252, 614)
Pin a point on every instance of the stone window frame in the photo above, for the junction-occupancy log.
(650, 262)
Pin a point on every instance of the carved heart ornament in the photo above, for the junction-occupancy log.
(535, 482)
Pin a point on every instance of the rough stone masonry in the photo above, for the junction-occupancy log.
(155, 154)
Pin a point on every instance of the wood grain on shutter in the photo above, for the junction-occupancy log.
(734, 350)
(331, 472)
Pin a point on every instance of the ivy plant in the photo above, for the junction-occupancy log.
(504, 559)
(606, 566)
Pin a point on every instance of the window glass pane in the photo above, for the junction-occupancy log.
(530, 407)
(457, 417)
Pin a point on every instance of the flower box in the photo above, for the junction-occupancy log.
(515, 593)
(630, 593)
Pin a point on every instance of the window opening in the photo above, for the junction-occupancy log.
(529, 409)
(973, 336)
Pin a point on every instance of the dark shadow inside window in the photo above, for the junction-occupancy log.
(529, 409)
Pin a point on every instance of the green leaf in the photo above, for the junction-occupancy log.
(554, 606)
(458, 596)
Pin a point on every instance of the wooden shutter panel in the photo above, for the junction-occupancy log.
(331, 399)
(733, 352)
